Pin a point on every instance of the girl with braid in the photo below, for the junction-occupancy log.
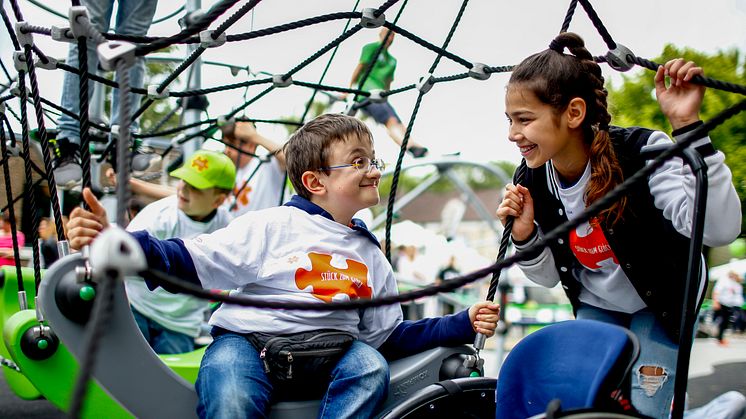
(627, 266)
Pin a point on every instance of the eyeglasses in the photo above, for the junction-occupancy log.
(362, 164)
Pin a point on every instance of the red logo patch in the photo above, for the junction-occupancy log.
(589, 245)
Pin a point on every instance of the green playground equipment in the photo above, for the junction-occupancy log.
(54, 376)
(9, 305)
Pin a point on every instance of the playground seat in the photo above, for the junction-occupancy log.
(577, 362)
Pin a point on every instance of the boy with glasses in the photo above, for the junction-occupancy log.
(310, 249)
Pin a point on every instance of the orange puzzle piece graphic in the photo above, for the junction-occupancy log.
(328, 281)
(200, 163)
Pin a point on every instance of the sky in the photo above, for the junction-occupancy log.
(465, 116)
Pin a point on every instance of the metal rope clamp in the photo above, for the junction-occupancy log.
(117, 250)
(26, 39)
(279, 80)
(376, 96)
(62, 34)
(77, 27)
(479, 71)
(19, 61)
(51, 63)
(84, 273)
(369, 20)
(352, 107)
(154, 94)
(206, 40)
(426, 83)
(223, 121)
(617, 58)
(110, 52)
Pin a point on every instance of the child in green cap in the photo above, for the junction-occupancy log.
(170, 322)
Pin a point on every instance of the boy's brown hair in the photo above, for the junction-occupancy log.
(309, 148)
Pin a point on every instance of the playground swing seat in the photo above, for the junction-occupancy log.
(569, 368)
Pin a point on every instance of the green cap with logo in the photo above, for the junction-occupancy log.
(207, 169)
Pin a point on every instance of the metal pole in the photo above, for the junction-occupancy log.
(194, 82)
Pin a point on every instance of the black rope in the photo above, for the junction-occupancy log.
(598, 24)
(395, 177)
(405, 33)
(201, 24)
(701, 80)
(48, 9)
(568, 16)
(323, 74)
(194, 56)
(238, 191)
(450, 35)
(11, 210)
(30, 196)
(405, 141)
(85, 153)
(561, 231)
(102, 309)
(504, 240)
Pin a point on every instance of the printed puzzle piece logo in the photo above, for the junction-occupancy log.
(200, 163)
(242, 196)
(328, 281)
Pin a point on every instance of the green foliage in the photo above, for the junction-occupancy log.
(633, 103)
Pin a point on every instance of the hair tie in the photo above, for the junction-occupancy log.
(556, 46)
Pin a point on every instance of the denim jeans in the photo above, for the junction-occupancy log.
(162, 340)
(651, 395)
(133, 18)
(232, 383)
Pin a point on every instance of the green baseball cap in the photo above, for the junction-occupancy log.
(207, 169)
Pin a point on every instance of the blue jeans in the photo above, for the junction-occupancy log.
(162, 340)
(232, 383)
(133, 18)
(651, 395)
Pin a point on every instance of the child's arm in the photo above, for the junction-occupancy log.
(169, 256)
(411, 337)
(247, 131)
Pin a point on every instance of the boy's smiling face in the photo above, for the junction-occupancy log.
(349, 189)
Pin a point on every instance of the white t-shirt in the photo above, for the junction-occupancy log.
(729, 292)
(263, 190)
(287, 254)
(604, 283)
(177, 312)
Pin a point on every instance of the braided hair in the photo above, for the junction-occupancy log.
(555, 78)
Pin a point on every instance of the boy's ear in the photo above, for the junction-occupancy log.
(220, 197)
(313, 183)
(575, 112)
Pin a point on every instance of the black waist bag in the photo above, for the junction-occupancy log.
(301, 358)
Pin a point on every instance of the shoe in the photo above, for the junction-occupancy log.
(723, 343)
(67, 170)
(417, 151)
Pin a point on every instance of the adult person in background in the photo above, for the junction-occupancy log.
(133, 18)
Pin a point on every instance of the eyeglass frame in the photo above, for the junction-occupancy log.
(377, 163)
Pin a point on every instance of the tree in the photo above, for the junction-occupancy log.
(633, 103)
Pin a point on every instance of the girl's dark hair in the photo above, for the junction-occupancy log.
(555, 78)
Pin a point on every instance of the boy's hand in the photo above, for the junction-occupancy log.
(84, 226)
(484, 316)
